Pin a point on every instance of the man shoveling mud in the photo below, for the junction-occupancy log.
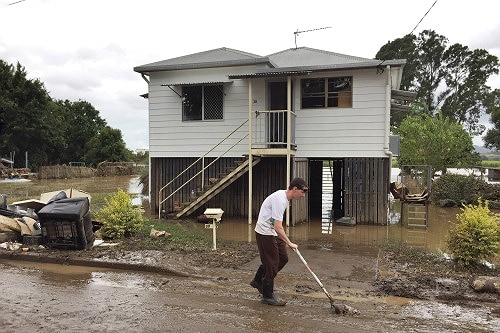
(272, 240)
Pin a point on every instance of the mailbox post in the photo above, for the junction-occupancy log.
(215, 214)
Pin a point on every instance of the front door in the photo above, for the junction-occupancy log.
(277, 121)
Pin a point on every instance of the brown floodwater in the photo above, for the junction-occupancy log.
(432, 237)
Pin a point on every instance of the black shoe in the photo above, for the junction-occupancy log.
(268, 294)
(273, 301)
(256, 285)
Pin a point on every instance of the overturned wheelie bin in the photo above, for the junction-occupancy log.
(67, 224)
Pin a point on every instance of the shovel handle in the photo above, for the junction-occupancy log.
(318, 281)
(308, 268)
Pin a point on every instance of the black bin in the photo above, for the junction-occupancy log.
(67, 224)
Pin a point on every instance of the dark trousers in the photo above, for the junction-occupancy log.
(273, 255)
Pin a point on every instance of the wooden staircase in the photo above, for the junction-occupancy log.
(215, 186)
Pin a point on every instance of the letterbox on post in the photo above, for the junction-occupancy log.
(216, 215)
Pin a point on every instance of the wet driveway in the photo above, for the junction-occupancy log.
(39, 297)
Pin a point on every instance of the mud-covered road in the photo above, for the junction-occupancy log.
(42, 297)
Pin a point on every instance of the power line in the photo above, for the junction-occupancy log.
(13, 3)
(423, 17)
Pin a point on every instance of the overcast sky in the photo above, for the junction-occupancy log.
(87, 49)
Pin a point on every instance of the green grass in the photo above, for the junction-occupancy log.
(490, 164)
(184, 236)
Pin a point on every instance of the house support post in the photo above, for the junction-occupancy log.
(288, 139)
(388, 112)
(250, 157)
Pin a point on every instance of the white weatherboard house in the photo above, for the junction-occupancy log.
(227, 127)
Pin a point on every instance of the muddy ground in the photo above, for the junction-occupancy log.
(402, 272)
(390, 290)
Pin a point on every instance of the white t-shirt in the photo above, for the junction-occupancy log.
(272, 208)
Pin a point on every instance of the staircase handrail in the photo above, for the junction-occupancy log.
(194, 163)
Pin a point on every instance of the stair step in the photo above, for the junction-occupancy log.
(213, 186)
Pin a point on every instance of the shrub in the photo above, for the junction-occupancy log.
(119, 217)
(476, 237)
(455, 190)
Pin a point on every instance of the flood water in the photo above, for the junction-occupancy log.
(431, 238)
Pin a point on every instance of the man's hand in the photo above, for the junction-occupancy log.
(278, 226)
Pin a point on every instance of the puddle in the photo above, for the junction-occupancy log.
(81, 276)
(454, 316)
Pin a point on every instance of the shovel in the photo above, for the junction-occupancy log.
(339, 309)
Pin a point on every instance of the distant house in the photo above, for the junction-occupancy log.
(227, 127)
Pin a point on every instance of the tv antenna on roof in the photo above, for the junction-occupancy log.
(299, 32)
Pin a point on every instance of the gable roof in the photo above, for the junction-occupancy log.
(221, 57)
(305, 56)
(304, 60)
(294, 61)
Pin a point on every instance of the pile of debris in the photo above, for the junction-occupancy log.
(401, 192)
(7, 171)
(60, 219)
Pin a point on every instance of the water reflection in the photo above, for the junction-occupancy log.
(432, 238)
(135, 189)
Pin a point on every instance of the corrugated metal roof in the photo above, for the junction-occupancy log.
(294, 61)
(290, 71)
(222, 57)
(195, 83)
(272, 72)
(305, 56)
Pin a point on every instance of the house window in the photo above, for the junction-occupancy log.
(327, 92)
(202, 102)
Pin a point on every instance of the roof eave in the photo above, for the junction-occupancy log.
(291, 71)
(201, 65)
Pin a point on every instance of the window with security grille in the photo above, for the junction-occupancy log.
(202, 102)
(327, 92)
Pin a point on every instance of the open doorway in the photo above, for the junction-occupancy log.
(326, 198)
(277, 121)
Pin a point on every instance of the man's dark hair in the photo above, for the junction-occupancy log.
(298, 182)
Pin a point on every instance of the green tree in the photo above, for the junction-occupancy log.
(108, 145)
(435, 141)
(449, 79)
(430, 72)
(466, 94)
(82, 122)
(402, 48)
(492, 137)
(50, 131)
(23, 105)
